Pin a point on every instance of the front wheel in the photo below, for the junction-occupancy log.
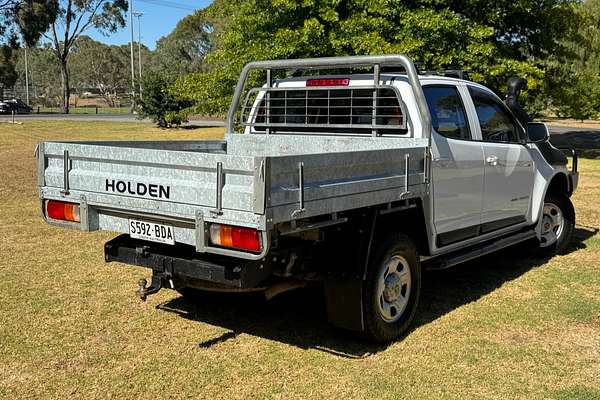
(392, 289)
(557, 224)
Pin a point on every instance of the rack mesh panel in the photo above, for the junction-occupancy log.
(367, 110)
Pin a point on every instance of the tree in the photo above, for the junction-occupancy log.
(159, 104)
(26, 18)
(21, 19)
(493, 39)
(101, 66)
(8, 75)
(183, 50)
(76, 17)
(45, 74)
(574, 78)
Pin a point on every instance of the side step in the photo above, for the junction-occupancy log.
(460, 256)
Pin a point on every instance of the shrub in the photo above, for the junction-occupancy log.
(159, 104)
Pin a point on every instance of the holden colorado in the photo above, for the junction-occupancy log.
(353, 173)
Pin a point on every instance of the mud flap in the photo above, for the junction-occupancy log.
(343, 297)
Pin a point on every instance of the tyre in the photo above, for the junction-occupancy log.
(392, 289)
(557, 224)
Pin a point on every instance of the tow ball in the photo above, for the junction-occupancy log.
(158, 282)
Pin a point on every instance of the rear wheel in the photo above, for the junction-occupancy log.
(557, 224)
(392, 289)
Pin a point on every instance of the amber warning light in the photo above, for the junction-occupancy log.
(236, 237)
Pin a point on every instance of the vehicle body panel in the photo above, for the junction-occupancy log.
(508, 182)
(458, 181)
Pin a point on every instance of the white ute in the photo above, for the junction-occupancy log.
(355, 181)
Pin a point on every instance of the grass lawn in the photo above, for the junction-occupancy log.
(505, 326)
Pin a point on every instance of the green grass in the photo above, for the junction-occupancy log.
(505, 326)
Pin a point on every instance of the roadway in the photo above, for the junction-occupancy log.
(101, 117)
(554, 129)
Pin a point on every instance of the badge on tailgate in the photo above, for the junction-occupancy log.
(151, 231)
(138, 189)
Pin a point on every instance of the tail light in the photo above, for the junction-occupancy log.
(328, 82)
(235, 237)
(62, 211)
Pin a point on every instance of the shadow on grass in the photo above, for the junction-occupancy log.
(192, 127)
(298, 317)
(586, 142)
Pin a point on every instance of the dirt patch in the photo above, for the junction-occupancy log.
(585, 124)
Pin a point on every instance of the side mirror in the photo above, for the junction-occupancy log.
(537, 132)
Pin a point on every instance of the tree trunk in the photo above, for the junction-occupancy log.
(66, 89)
(107, 95)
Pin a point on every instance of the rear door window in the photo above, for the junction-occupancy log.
(448, 115)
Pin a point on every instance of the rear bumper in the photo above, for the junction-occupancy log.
(183, 262)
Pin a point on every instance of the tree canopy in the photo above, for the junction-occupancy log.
(183, 50)
(493, 39)
(573, 78)
(75, 18)
(21, 20)
(555, 44)
(97, 65)
(26, 20)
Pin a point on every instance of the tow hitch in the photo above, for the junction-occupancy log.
(173, 264)
(158, 282)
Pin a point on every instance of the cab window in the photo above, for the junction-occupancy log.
(448, 115)
(496, 122)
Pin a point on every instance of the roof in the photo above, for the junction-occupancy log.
(391, 77)
(384, 76)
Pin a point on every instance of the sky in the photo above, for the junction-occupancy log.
(159, 19)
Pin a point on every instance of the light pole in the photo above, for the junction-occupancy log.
(26, 77)
(131, 48)
(139, 15)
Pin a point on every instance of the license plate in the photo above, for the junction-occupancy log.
(151, 231)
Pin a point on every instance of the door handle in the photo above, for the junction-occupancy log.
(492, 160)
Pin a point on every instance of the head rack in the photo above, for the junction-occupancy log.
(376, 62)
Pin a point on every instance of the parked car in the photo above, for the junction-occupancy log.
(354, 181)
(16, 105)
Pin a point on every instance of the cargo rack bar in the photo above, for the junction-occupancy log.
(333, 63)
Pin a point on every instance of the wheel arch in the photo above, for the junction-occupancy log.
(559, 184)
(344, 293)
(410, 222)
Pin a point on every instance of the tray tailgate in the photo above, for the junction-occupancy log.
(166, 175)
